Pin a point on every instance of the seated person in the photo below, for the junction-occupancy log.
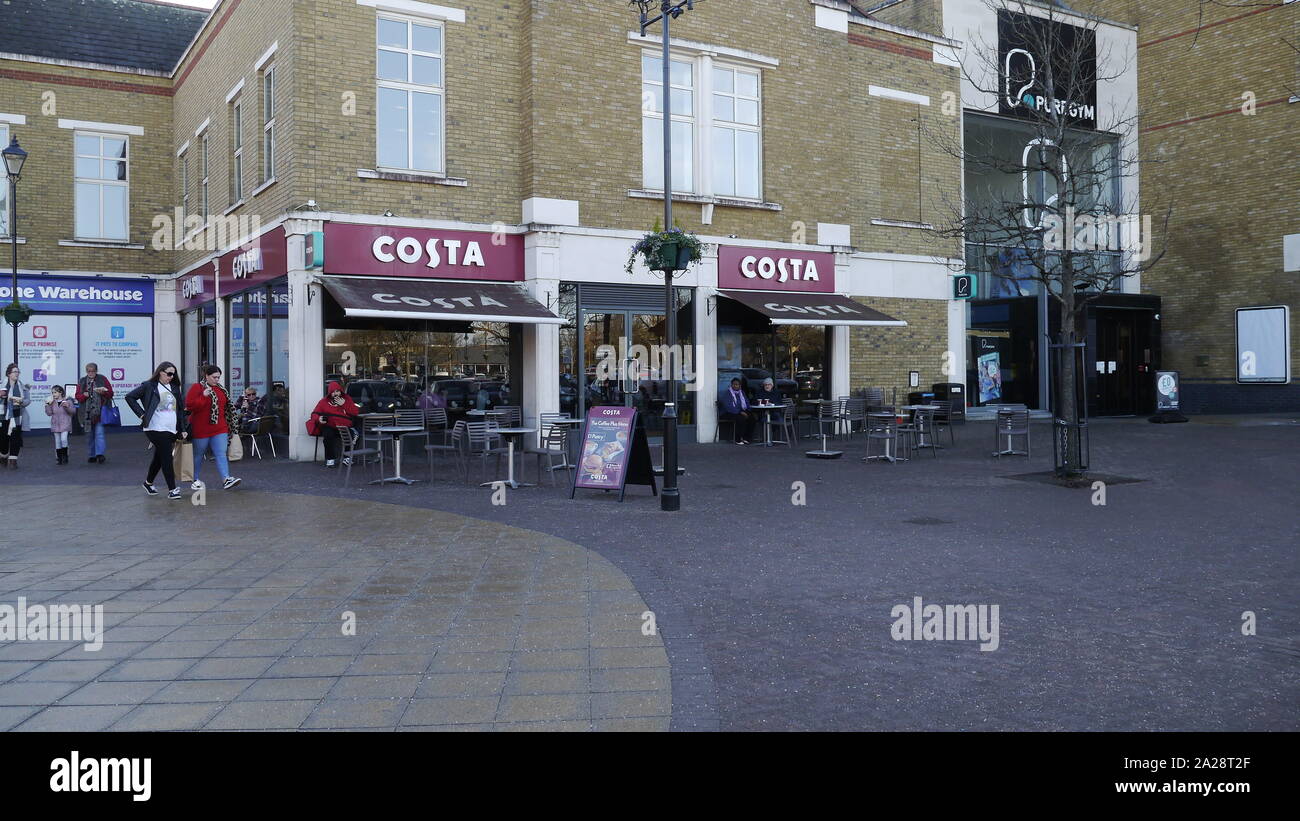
(250, 407)
(334, 411)
(769, 393)
(735, 408)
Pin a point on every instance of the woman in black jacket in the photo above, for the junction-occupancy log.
(160, 405)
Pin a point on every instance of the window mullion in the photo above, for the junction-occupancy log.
(704, 127)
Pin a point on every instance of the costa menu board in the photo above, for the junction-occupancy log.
(614, 452)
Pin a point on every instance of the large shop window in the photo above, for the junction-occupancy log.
(258, 349)
(605, 325)
(409, 65)
(717, 109)
(102, 194)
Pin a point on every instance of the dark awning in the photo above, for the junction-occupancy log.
(811, 309)
(421, 299)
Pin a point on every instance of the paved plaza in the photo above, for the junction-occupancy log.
(769, 614)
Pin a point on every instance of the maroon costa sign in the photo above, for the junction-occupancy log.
(394, 251)
(775, 269)
(247, 266)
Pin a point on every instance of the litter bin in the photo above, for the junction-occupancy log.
(919, 398)
(954, 392)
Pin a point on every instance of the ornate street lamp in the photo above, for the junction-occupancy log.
(670, 499)
(17, 313)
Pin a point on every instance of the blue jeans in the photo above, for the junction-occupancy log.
(217, 444)
(95, 444)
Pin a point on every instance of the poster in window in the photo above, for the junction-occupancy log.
(990, 377)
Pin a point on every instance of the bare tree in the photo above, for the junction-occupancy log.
(1043, 204)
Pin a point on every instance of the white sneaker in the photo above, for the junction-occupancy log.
(174, 493)
(329, 463)
(229, 483)
(347, 460)
(196, 485)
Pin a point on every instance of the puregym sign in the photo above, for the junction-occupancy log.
(775, 269)
(396, 251)
(1032, 86)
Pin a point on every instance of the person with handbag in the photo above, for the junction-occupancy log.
(94, 393)
(158, 403)
(212, 418)
(13, 415)
(333, 412)
(60, 410)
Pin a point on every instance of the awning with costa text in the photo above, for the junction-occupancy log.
(811, 309)
(455, 301)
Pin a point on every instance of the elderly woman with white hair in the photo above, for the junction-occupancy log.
(768, 393)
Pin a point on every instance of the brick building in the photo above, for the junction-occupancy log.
(398, 134)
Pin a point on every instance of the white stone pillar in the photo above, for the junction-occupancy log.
(706, 362)
(306, 341)
(166, 323)
(541, 377)
(840, 361)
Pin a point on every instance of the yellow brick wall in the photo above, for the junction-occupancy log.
(882, 357)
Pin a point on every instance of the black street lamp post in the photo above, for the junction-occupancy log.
(671, 498)
(17, 313)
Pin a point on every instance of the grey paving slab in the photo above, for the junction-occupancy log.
(61, 719)
(160, 717)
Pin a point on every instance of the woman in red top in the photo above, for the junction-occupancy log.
(336, 410)
(209, 407)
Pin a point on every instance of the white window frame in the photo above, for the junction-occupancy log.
(203, 176)
(236, 150)
(4, 186)
(409, 88)
(126, 184)
(268, 123)
(692, 186)
(714, 123)
(184, 157)
(702, 122)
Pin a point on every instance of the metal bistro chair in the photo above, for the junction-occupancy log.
(786, 424)
(855, 410)
(511, 416)
(555, 443)
(482, 442)
(875, 397)
(350, 439)
(883, 428)
(455, 447)
(921, 431)
(943, 418)
(435, 420)
(828, 413)
(265, 424)
(717, 431)
(1010, 423)
(372, 438)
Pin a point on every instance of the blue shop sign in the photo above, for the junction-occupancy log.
(82, 295)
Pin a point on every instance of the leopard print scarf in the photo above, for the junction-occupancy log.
(220, 394)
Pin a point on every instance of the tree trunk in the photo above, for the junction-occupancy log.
(1069, 442)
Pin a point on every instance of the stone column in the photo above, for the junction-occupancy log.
(306, 340)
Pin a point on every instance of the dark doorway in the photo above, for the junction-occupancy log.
(1123, 364)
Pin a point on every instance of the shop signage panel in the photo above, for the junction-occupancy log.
(396, 251)
(1024, 70)
(252, 264)
(615, 452)
(775, 269)
(82, 295)
(122, 347)
(47, 356)
(1167, 391)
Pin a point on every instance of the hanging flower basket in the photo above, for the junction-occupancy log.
(17, 314)
(671, 250)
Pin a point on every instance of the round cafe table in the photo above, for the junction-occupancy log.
(397, 432)
(509, 481)
(767, 422)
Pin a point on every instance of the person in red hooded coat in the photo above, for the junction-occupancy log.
(334, 411)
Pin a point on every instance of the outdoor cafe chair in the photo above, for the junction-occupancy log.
(372, 438)
(435, 419)
(785, 422)
(943, 418)
(483, 442)
(829, 413)
(415, 419)
(854, 410)
(1011, 422)
(883, 428)
(511, 416)
(455, 447)
(554, 445)
(351, 440)
(920, 431)
(265, 424)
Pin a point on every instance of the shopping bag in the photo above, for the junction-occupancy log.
(109, 415)
(235, 450)
(183, 461)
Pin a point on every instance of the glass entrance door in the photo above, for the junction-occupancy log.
(607, 339)
(1117, 364)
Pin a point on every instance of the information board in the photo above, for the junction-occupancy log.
(614, 452)
(1167, 391)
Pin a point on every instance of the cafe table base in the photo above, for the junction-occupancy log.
(397, 434)
(510, 481)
